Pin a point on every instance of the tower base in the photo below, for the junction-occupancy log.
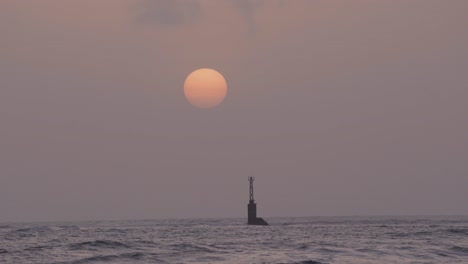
(258, 221)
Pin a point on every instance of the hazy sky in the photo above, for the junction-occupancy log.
(336, 107)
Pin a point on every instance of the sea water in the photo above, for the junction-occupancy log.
(422, 239)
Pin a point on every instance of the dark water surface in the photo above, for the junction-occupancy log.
(288, 240)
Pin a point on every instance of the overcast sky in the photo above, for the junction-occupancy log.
(336, 107)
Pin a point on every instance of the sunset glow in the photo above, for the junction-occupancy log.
(205, 88)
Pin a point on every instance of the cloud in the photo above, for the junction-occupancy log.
(168, 12)
(175, 13)
(247, 9)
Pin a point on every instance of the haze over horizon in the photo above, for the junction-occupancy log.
(336, 107)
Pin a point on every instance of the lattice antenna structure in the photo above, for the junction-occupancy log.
(251, 193)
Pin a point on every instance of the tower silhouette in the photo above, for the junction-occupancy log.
(252, 218)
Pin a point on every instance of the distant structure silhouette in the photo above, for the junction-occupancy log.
(252, 208)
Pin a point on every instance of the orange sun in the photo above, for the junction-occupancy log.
(205, 88)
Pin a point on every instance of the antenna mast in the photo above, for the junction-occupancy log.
(251, 195)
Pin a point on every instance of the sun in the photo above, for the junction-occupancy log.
(205, 88)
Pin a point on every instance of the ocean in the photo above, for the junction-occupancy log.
(313, 240)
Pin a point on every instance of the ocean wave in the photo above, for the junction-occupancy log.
(308, 262)
(186, 247)
(145, 242)
(133, 256)
(329, 250)
(3, 251)
(69, 227)
(410, 234)
(112, 230)
(34, 229)
(98, 244)
(302, 247)
(37, 248)
(460, 249)
(371, 251)
(462, 231)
